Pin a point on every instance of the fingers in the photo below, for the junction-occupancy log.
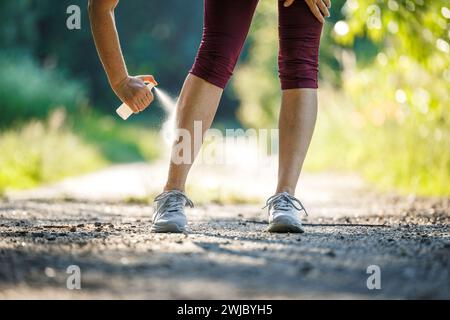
(148, 78)
(323, 8)
(136, 104)
(133, 106)
(315, 10)
(148, 97)
(327, 3)
(142, 104)
(143, 100)
(136, 94)
(287, 3)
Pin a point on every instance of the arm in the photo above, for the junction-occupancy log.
(131, 90)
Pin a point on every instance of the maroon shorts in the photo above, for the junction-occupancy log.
(226, 25)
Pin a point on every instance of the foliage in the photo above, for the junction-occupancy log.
(66, 145)
(117, 142)
(43, 152)
(384, 106)
(29, 91)
(157, 37)
(385, 83)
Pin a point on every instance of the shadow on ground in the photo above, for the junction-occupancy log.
(226, 254)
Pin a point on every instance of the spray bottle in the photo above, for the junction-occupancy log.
(125, 111)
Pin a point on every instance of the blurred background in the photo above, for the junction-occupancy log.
(384, 89)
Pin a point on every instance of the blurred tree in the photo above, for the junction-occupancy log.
(402, 97)
(388, 62)
(158, 37)
(259, 99)
(397, 34)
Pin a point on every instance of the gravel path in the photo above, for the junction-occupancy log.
(227, 253)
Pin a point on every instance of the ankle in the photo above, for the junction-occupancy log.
(287, 189)
(169, 187)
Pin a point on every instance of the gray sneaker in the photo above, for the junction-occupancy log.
(169, 212)
(284, 212)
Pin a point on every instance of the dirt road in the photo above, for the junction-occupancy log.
(227, 253)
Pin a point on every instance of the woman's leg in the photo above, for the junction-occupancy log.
(226, 24)
(198, 102)
(297, 120)
(299, 33)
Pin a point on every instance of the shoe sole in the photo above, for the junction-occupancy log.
(167, 228)
(285, 225)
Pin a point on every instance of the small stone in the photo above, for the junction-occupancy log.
(51, 238)
(73, 229)
(306, 268)
(49, 272)
(81, 225)
(38, 235)
(331, 253)
(97, 224)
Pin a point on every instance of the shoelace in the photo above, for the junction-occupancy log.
(284, 201)
(171, 201)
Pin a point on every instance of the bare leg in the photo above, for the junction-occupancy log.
(297, 120)
(198, 101)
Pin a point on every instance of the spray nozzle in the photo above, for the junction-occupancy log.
(151, 83)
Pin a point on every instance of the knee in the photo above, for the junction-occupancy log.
(298, 58)
(299, 68)
(215, 63)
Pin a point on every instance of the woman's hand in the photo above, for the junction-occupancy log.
(131, 90)
(318, 7)
(134, 92)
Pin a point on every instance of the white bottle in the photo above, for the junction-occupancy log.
(125, 111)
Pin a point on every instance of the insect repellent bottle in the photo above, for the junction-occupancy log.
(125, 111)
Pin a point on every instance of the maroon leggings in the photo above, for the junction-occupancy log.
(226, 24)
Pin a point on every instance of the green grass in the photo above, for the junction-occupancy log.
(38, 153)
(411, 158)
(118, 141)
(47, 131)
(47, 151)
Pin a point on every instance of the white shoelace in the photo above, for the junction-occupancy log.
(171, 201)
(284, 202)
